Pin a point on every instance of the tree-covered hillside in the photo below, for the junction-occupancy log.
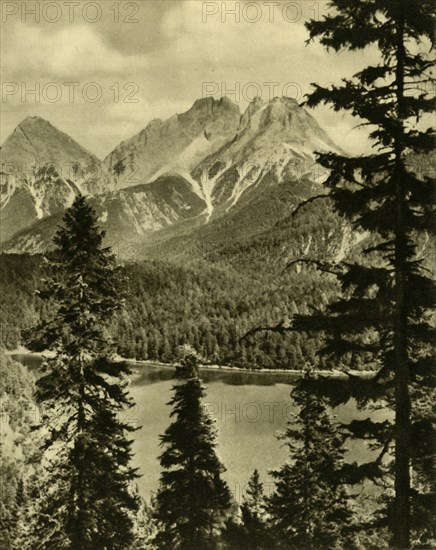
(18, 413)
(209, 295)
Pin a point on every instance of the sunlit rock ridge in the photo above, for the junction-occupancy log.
(189, 169)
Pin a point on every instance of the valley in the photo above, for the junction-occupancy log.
(198, 210)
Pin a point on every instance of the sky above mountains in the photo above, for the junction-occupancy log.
(101, 70)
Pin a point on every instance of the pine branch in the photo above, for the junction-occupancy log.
(306, 202)
(281, 328)
(322, 266)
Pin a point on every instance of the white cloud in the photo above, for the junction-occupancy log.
(170, 66)
(229, 42)
(70, 52)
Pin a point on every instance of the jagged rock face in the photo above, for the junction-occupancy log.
(176, 144)
(138, 211)
(275, 142)
(193, 167)
(42, 170)
(127, 215)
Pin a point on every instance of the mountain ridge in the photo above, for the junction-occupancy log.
(208, 123)
(42, 170)
(190, 169)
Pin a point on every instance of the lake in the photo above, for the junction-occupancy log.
(249, 408)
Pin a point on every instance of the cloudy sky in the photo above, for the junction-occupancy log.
(101, 70)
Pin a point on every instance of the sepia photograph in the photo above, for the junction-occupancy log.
(217, 275)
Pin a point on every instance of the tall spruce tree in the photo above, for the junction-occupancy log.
(249, 530)
(87, 500)
(309, 506)
(257, 535)
(193, 501)
(252, 508)
(382, 317)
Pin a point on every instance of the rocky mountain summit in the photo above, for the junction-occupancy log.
(275, 142)
(42, 170)
(176, 144)
(189, 169)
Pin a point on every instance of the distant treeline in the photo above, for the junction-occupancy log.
(208, 300)
(208, 307)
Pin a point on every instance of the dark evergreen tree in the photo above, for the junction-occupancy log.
(382, 318)
(309, 506)
(249, 529)
(88, 500)
(382, 193)
(252, 505)
(193, 500)
(254, 515)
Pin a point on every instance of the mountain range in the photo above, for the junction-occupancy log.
(208, 172)
(214, 205)
(210, 200)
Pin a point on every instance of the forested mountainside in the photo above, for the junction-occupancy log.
(18, 413)
(210, 293)
(167, 305)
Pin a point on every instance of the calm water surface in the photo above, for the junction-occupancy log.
(249, 408)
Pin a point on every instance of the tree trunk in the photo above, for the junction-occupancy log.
(402, 407)
(78, 536)
(401, 518)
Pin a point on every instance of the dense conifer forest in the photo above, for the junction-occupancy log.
(347, 285)
(210, 302)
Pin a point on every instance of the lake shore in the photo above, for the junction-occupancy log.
(139, 364)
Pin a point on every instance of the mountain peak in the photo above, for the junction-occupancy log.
(38, 124)
(210, 100)
(211, 105)
(37, 139)
(33, 119)
(286, 121)
(36, 128)
(44, 168)
(290, 101)
(180, 141)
